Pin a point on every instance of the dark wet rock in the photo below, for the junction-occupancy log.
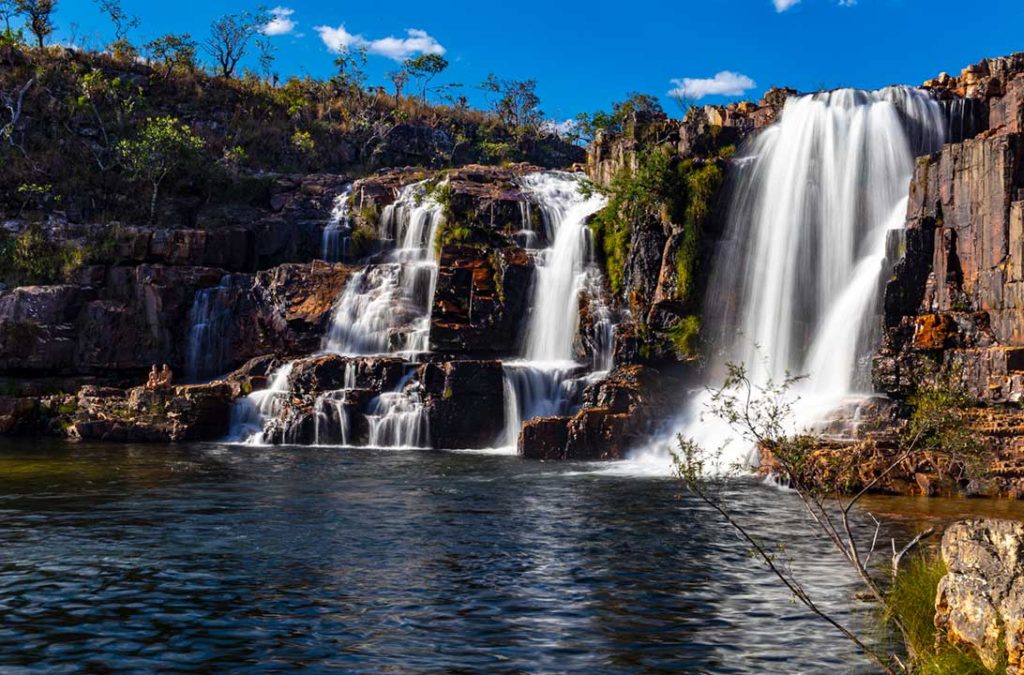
(480, 300)
(618, 415)
(465, 403)
(544, 438)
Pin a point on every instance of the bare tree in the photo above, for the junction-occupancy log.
(122, 20)
(39, 15)
(230, 36)
(13, 102)
(398, 80)
(762, 415)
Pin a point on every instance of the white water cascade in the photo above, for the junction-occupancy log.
(250, 412)
(798, 275)
(385, 308)
(541, 382)
(210, 322)
(337, 233)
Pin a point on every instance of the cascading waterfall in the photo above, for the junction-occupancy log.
(338, 232)
(797, 280)
(386, 307)
(210, 319)
(398, 419)
(539, 384)
(250, 412)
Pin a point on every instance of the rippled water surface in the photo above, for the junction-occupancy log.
(212, 557)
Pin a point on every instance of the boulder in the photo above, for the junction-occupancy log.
(199, 412)
(980, 601)
(465, 402)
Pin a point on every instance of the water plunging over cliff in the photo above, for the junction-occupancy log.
(338, 232)
(539, 383)
(211, 319)
(797, 279)
(386, 307)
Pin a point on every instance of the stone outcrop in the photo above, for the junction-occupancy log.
(200, 412)
(128, 318)
(618, 414)
(955, 303)
(980, 601)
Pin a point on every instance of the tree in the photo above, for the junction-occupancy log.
(425, 68)
(8, 10)
(163, 145)
(174, 52)
(517, 104)
(38, 14)
(350, 64)
(123, 22)
(398, 78)
(265, 56)
(230, 36)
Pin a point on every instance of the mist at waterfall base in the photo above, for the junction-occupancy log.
(816, 201)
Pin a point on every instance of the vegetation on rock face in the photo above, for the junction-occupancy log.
(31, 258)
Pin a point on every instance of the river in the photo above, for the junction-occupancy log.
(213, 557)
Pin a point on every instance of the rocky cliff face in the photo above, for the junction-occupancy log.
(657, 248)
(956, 299)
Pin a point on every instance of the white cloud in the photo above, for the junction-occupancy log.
(416, 42)
(725, 83)
(560, 128)
(281, 22)
(783, 5)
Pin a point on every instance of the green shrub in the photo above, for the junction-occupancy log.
(30, 258)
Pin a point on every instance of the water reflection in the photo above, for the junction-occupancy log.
(206, 557)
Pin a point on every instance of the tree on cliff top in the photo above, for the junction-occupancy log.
(38, 14)
(163, 145)
(425, 68)
(123, 22)
(230, 36)
(517, 104)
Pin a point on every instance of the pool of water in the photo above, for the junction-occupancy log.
(212, 557)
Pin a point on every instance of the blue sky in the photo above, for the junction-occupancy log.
(587, 55)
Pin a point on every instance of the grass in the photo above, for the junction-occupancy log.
(912, 599)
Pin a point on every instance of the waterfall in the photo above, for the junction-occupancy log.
(798, 276)
(398, 419)
(250, 412)
(538, 384)
(211, 320)
(385, 308)
(562, 267)
(337, 233)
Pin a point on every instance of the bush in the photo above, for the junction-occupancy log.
(30, 258)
